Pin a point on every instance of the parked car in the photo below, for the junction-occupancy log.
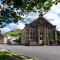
(14, 41)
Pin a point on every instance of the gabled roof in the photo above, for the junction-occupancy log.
(41, 21)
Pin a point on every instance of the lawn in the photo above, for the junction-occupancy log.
(5, 56)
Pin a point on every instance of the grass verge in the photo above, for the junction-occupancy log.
(9, 55)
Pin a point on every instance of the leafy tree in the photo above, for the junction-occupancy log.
(16, 8)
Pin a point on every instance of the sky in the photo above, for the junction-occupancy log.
(53, 16)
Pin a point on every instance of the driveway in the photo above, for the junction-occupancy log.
(38, 52)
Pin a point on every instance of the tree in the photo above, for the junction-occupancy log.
(16, 8)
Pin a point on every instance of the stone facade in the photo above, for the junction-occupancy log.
(39, 32)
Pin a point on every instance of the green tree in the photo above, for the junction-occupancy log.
(29, 5)
(16, 8)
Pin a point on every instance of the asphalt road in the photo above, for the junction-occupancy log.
(38, 52)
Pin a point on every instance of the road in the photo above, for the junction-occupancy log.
(38, 52)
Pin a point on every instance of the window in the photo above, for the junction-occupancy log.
(31, 34)
(31, 37)
(31, 31)
(41, 33)
(41, 38)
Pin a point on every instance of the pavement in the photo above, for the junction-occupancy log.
(37, 52)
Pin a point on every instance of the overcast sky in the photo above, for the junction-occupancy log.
(53, 16)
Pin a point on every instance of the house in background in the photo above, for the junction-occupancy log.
(39, 32)
(3, 39)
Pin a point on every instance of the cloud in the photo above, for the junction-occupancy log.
(5, 29)
(31, 15)
(56, 8)
(20, 26)
(51, 16)
(12, 26)
(54, 16)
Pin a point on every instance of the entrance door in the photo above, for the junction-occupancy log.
(40, 40)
